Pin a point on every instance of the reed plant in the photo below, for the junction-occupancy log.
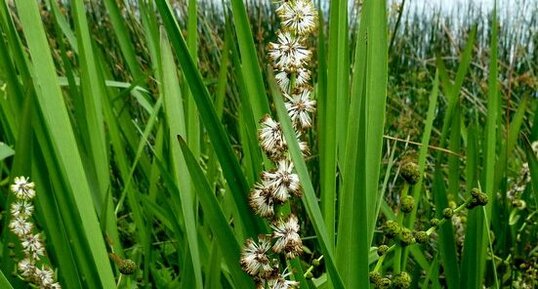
(295, 144)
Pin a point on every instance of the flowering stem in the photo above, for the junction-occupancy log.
(399, 252)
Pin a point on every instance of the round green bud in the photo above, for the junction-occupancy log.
(482, 199)
(407, 204)
(475, 193)
(384, 283)
(309, 275)
(406, 237)
(375, 277)
(435, 222)
(315, 262)
(382, 250)
(127, 266)
(421, 236)
(402, 280)
(392, 229)
(448, 213)
(410, 172)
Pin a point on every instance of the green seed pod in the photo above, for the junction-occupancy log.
(410, 172)
(475, 193)
(422, 237)
(482, 199)
(407, 204)
(392, 229)
(375, 277)
(406, 237)
(448, 213)
(435, 222)
(477, 199)
(315, 262)
(384, 283)
(382, 250)
(127, 266)
(402, 280)
(309, 275)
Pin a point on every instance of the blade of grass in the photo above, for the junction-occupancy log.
(4, 283)
(252, 72)
(230, 166)
(5, 151)
(216, 219)
(50, 100)
(309, 197)
(176, 121)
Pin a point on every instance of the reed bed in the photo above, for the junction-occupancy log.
(197, 144)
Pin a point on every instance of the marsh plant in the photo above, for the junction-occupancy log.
(274, 145)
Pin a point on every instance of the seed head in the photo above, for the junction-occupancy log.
(261, 201)
(254, 259)
(300, 106)
(287, 237)
(288, 54)
(392, 229)
(448, 213)
(299, 16)
(421, 237)
(382, 250)
(375, 277)
(406, 237)
(402, 280)
(435, 222)
(407, 204)
(283, 181)
(271, 138)
(127, 266)
(410, 172)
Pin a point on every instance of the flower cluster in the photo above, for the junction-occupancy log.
(290, 57)
(31, 267)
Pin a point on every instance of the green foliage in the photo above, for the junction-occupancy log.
(138, 120)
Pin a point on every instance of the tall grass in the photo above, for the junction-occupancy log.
(138, 121)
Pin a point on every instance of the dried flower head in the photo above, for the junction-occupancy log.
(282, 283)
(261, 201)
(282, 181)
(288, 53)
(254, 259)
(300, 106)
(271, 138)
(287, 237)
(299, 16)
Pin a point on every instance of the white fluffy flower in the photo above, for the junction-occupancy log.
(282, 181)
(280, 282)
(287, 237)
(44, 276)
(23, 188)
(299, 107)
(261, 201)
(254, 259)
(22, 209)
(299, 16)
(33, 246)
(271, 138)
(302, 78)
(27, 267)
(288, 53)
(20, 226)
